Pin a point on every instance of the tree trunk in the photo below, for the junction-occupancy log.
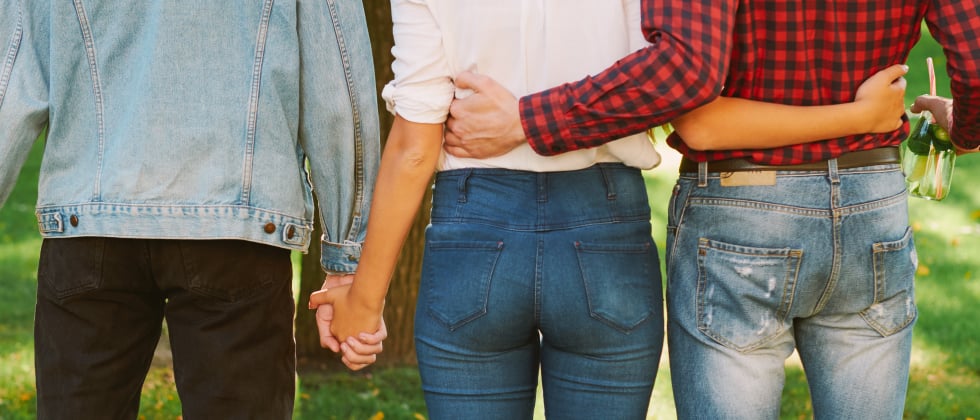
(378, 13)
(399, 348)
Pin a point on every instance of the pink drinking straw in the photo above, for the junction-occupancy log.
(938, 179)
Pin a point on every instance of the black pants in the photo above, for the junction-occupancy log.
(100, 306)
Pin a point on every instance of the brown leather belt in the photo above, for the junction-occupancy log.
(879, 156)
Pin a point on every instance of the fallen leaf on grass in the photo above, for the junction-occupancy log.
(922, 270)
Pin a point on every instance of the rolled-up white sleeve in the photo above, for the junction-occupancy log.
(423, 87)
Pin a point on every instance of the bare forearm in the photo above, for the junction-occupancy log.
(734, 123)
(407, 165)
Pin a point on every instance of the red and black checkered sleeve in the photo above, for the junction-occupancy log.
(683, 68)
(956, 26)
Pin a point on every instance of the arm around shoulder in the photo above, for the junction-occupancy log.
(735, 123)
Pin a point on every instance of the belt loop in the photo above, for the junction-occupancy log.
(542, 186)
(702, 174)
(607, 178)
(833, 172)
(461, 185)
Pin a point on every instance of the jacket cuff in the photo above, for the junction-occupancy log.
(340, 258)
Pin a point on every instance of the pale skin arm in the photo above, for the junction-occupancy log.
(488, 122)
(407, 165)
(734, 123)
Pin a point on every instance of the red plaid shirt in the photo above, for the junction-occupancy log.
(791, 52)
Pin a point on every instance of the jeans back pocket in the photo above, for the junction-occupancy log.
(744, 293)
(70, 266)
(233, 270)
(456, 278)
(622, 282)
(894, 303)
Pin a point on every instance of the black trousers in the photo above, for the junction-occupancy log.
(100, 306)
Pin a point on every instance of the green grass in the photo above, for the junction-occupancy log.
(945, 378)
(19, 244)
(391, 393)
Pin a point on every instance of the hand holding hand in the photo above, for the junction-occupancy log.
(486, 123)
(349, 317)
(362, 351)
(884, 96)
(358, 351)
(324, 313)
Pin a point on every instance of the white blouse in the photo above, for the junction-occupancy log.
(525, 45)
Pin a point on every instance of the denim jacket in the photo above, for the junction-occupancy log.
(188, 119)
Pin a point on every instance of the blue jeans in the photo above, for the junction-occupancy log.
(822, 262)
(555, 271)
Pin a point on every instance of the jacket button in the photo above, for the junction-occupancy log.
(270, 228)
(290, 232)
(73, 220)
(351, 258)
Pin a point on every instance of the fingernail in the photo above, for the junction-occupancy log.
(310, 305)
(905, 67)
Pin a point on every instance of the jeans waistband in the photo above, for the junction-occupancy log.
(521, 200)
(879, 156)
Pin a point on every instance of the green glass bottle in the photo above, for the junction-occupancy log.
(928, 157)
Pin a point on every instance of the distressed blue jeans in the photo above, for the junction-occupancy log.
(552, 271)
(822, 262)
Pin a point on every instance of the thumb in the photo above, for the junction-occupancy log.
(468, 80)
(895, 71)
(924, 103)
(321, 297)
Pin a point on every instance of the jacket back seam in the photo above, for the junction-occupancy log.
(253, 101)
(12, 51)
(90, 53)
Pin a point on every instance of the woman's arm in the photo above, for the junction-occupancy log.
(735, 123)
(407, 164)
